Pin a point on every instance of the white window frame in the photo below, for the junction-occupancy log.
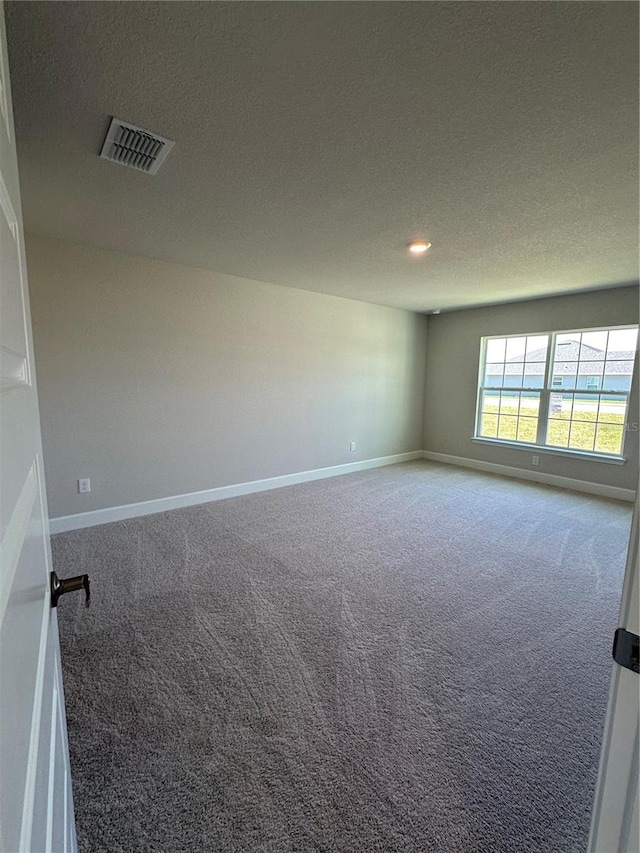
(545, 393)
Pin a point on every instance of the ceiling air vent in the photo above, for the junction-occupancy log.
(132, 146)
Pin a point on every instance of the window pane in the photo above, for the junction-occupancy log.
(585, 408)
(490, 401)
(493, 374)
(558, 433)
(508, 427)
(612, 409)
(513, 374)
(567, 371)
(533, 375)
(560, 406)
(609, 439)
(586, 422)
(509, 415)
(567, 347)
(509, 403)
(527, 429)
(496, 349)
(594, 346)
(537, 346)
(529, 404)
(591, 368)
(582, 436)
(622, 343)
(489, 426)
(617, 375)
(516, 349)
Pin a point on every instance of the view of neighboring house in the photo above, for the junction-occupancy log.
(576, 366)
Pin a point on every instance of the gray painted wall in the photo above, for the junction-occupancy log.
(157, 380)
(453, 351)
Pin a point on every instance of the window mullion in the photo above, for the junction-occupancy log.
(545, 395)
(548, 370)
(543, 416)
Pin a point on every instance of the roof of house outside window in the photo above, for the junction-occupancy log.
(618, 361)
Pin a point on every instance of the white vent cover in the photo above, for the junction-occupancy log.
(132, 146)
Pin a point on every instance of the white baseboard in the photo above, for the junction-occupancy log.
(534, 476)
(119, 513)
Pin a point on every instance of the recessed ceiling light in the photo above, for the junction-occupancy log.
(418, 247)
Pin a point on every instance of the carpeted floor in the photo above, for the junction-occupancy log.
(413, 658)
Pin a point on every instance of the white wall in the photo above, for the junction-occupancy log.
(453, 350)
(157, 380)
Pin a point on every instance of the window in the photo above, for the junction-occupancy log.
(564, 390)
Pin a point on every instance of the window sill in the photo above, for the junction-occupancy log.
(553, 451)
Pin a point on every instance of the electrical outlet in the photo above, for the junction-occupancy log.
(352, 446)
(84, 486)
(535, 461)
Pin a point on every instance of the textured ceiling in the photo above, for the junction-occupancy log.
(313, 140)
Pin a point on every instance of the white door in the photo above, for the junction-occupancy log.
(36, 807)
(616, 811)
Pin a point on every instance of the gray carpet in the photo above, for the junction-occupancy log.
(413, 658)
